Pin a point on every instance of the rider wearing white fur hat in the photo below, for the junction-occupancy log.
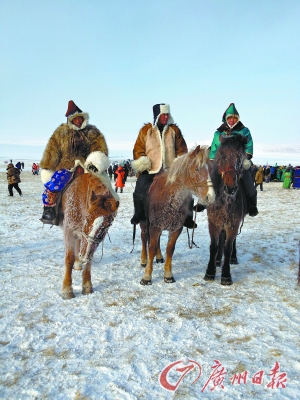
(155, 149)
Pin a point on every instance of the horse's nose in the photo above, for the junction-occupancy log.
(230, 191)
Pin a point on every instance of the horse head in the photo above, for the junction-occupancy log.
(101, 209)
(229, 162)
(191, 170)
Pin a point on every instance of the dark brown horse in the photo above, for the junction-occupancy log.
(88, 208)
(226, 214)
(169, 198)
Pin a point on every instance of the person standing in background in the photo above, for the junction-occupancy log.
(13, 177)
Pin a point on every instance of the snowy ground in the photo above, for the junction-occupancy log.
(114, 343)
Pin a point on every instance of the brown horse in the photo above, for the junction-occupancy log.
(226, 214)
(88, 208)
(168, 201)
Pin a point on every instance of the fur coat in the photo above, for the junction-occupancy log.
(59, 153)
(153, 150)
(13, 174)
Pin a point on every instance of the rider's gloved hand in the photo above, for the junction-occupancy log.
(247, 163)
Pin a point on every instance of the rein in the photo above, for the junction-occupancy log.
(94, 240)
(208, 182)
(91, 239)
(191, 242)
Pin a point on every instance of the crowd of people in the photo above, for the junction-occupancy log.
(288, 175)
(118, 172)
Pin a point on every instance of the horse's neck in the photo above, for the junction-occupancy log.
(179, 190)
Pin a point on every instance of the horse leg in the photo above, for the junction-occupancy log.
(168, 276)
(144, 238)
(233, 258)
(210, 273)
(77, 265)
(225, 276)
(154, 237)
(67, 289)
(159, 256)
(222, 238)
(87, 287)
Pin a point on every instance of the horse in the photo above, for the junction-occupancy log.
(168, 202)
(226, 214)
(88, 208)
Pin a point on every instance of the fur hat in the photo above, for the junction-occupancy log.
(159, 109)
(72, 109)
(231, 111)
(72, 112)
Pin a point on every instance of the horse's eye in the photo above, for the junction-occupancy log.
(94, 196)
(197, 169)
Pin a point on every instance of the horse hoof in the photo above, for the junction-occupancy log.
(226, 281)
(68, 295)
(143, 265)
(87, 290)
(145, 282)
(160, 260)
(234, 261)
(169, 280)
(209, 277)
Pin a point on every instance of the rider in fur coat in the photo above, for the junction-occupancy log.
(155, 149)
(72, 141)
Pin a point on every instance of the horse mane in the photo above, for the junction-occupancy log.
(182, 164)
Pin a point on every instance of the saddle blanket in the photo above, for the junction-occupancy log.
(57, 183)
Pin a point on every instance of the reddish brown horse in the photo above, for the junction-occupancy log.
(88, 209)
(169, 198)
(226, 214)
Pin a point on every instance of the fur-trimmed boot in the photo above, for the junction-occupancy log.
(139, 209)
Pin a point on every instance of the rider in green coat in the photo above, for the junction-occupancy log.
(231, 115)
(232, 126)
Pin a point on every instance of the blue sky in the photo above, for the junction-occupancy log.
(117, 58)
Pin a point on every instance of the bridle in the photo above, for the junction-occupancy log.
(208, 183)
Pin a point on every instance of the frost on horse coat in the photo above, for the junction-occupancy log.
(168, 201)
(88, 210)
(226, 214)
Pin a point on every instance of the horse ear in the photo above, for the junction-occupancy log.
(196, 150)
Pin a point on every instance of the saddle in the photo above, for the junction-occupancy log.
(78, 171)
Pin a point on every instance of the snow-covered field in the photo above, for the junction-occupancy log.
(114, 343)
